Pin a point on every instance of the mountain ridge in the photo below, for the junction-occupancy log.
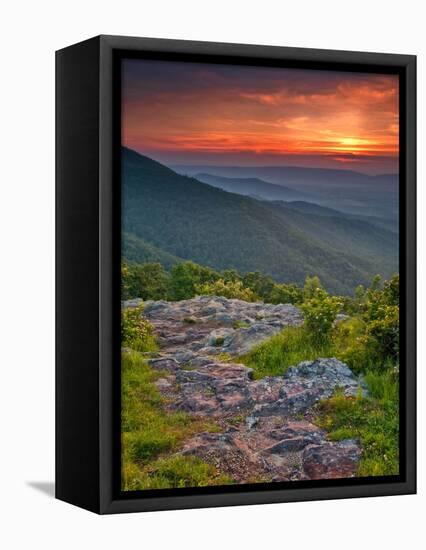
(192, 220)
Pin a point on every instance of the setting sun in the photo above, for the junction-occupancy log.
(180, 113)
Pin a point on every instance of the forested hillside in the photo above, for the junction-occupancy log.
(178, 217)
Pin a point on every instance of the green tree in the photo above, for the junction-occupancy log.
(150, 281)
(259, 283)
(186, 276)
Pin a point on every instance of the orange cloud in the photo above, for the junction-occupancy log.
(316, 113)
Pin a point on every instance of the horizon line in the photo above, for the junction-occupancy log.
(192, 165)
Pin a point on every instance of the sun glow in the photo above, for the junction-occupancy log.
(275, 113)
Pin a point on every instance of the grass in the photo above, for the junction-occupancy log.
(289, 347)
(294, 344)
(149, 432)
(373, 420)
(176, 472)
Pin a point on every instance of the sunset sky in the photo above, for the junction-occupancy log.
(195, 113)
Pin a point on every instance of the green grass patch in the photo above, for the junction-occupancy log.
(175, 472)
(291, 346)
(148, 430)
(383, 386)
(294, 344)
(373, 420)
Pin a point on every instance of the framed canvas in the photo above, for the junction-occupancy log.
(235, 274)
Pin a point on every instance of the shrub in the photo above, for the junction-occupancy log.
(136, 331)
(352, 345)
(320, 312)
(385, 332)
(311, 287)
(285, 294)
(381, 314)
(230, 289)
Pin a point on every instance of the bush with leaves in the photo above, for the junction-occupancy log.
(381, 313)
(320, 312)
(230, 289)
(311, 287)
(385, 332)
(285, 294)
(377, 310)
(136, 330)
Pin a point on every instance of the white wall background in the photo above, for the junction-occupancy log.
(30, 31)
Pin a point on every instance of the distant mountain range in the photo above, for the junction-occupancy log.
(253, 187)
(344, 190)
(169, 217)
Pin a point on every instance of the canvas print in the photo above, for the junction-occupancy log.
(259, 274)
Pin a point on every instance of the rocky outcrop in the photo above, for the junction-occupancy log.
(211, 325)
(274, 450)
(267, 432)
(307, 383)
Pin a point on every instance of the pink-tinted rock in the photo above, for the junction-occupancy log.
(332, 460)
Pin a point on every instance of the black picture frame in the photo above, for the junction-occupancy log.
(88, 277)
